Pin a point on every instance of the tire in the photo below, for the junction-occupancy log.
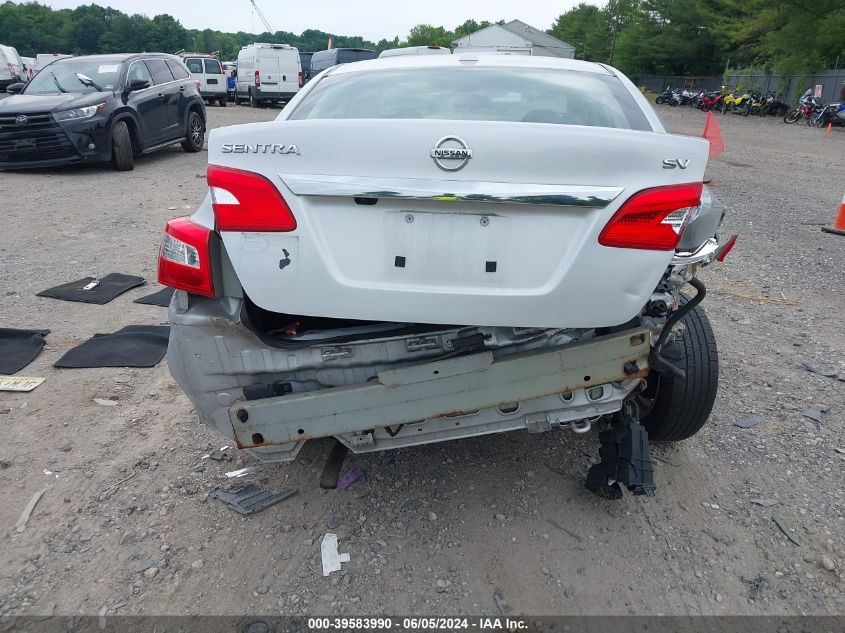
(253, 102)
(816, 120)
(792, 117)
(121, 147)
(674, 408)
(221, 103)
(195, 133)
(746, 110)
(237, 99)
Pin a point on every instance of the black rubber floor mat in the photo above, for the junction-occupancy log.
(250, 499)
(18, 348)
(104, 290)
(161, 298)
(132, 346)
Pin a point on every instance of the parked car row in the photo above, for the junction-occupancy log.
(101, 108)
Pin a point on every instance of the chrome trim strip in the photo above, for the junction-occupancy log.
(704, 252)
(450, 190)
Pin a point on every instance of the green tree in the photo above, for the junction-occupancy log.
(427, 35)
(587, 28)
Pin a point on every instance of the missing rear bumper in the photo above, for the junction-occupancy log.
(458, 397)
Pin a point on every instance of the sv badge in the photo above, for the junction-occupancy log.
(672, 163)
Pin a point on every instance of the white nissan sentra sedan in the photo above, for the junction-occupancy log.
(425, 248)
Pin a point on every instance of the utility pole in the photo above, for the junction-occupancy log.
(615, 29)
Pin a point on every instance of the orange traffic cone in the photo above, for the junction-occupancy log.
(830, 128)
(713, 134)
(838, 227)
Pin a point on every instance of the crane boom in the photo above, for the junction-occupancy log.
(261, 15)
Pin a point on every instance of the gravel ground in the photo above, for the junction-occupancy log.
(125, 524)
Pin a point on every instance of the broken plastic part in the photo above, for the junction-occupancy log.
(625, 457)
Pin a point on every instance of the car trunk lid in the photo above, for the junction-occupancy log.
(510, 238)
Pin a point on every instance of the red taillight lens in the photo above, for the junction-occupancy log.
(300, 79)
(198, 83)
(184, 259)
(652, 219)
(257, 79)
(246, 201)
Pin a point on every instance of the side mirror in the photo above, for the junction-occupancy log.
(15, 88)
(137, 84)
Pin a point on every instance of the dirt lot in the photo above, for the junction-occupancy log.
(125, 525)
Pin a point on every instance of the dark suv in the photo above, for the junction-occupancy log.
(101, 108)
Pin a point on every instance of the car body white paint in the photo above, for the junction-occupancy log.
(551, 271)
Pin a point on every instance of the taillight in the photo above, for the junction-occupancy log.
(198, 83)
(184, 260)
(257, 79)
(652, 219)
(246, 201)
(300, 79)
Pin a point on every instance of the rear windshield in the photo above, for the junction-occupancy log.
(534, 95)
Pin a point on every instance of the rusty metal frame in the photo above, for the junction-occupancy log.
(441, 388)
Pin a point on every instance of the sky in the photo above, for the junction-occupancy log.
(373, 19)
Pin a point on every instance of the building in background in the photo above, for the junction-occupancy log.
(514, 37)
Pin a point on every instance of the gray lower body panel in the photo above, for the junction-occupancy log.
(369, 401)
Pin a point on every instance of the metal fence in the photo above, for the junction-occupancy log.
(790, 86)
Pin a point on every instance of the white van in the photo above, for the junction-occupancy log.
(208, 71)
(267, 73)
(29, 68)
(42, 59)
(415, 50)
(11, 66)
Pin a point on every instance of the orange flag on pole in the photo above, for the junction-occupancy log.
(713, 134)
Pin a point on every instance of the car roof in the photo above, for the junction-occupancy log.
(478, 60)
(117, 57)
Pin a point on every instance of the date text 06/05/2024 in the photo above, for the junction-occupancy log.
(418, 624)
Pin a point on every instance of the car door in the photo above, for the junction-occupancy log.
(214, 78)
(268, 65)
(169, 93)
(153, 117)
(187, 94)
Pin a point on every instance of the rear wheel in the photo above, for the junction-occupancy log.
(792, 117)
(816, 120)
(673, 408)
(121, 147)
(195, 134)
(253, 102)
(222, 102)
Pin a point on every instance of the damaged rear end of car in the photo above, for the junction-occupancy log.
(490, 245)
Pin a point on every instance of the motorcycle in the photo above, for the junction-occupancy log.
(833, 113)
(730, 102)
(665, 97)
(752, 104)
(805, 110)
(711, 101)
(773, 105)
(686, 97)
